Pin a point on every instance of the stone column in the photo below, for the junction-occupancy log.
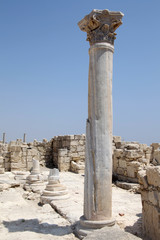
(24, 137)
(4, 137)
(100, 26)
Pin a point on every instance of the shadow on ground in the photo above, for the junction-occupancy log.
(136, 229)
(33, 225)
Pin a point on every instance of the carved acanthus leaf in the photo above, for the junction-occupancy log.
(100, 25)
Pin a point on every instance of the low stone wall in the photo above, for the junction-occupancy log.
(129, 158)
(149, 180)
(18, 155)
(69, 153)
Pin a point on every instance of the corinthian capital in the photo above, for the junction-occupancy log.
(100, 25)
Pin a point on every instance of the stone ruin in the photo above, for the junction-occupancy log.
(104, 155)
(54, 189)
(133, 163)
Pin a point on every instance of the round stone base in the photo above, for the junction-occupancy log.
(86, 226)
(48, 199)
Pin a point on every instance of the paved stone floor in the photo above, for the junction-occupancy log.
(25, 219)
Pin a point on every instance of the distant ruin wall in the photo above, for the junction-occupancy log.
(67, 153)
(18, 155)
(131, 157)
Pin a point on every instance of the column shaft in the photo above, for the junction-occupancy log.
(98, 169)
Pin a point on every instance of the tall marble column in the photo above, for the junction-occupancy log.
(100, 26)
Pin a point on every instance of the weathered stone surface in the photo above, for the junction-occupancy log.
(150, 194)
(110, 233)
(153, 176)
(134, 187)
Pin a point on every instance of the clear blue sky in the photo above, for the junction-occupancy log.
(44, 69)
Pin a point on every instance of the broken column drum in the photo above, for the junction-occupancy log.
(35, 180)
(100, 26)
(54, 189)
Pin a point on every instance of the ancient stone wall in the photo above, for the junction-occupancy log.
(149, 180)
(18, 155)
(129, 158)
(69, 153)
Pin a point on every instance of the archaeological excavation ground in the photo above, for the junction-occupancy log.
(136, 177)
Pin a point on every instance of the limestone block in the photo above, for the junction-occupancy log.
(153, 197)
(132, 146)
(142, 178)
(41, 149)
(73, 148)
(118, 145)
(143, 147)
(115, 164)
(81, 154)
(122, 163)
(148, 156)
(29, 165)
(134, 164)
(16, 166)
(151, 216)
(153, 176)
(29, 158)
(74, 155)
(1, 160)
(76, 159)
(144, 196)
(81, 142)
(148, 150)
(80, 148)
(74, 143)
(155, 146)
(155, 162)
(77, 167)
(24, 154)
(156, 155)
(77, 137)
(116, 139)
(71, 137)
(16, 148)
(118, 153)
(144, 161)
(133, 154)
(131, 171)
(65, 166)
(65, 159)
(24, 148)
(120, 171)
(7, 166)
(62, 152)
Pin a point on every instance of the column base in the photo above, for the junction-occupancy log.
(86, 226)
